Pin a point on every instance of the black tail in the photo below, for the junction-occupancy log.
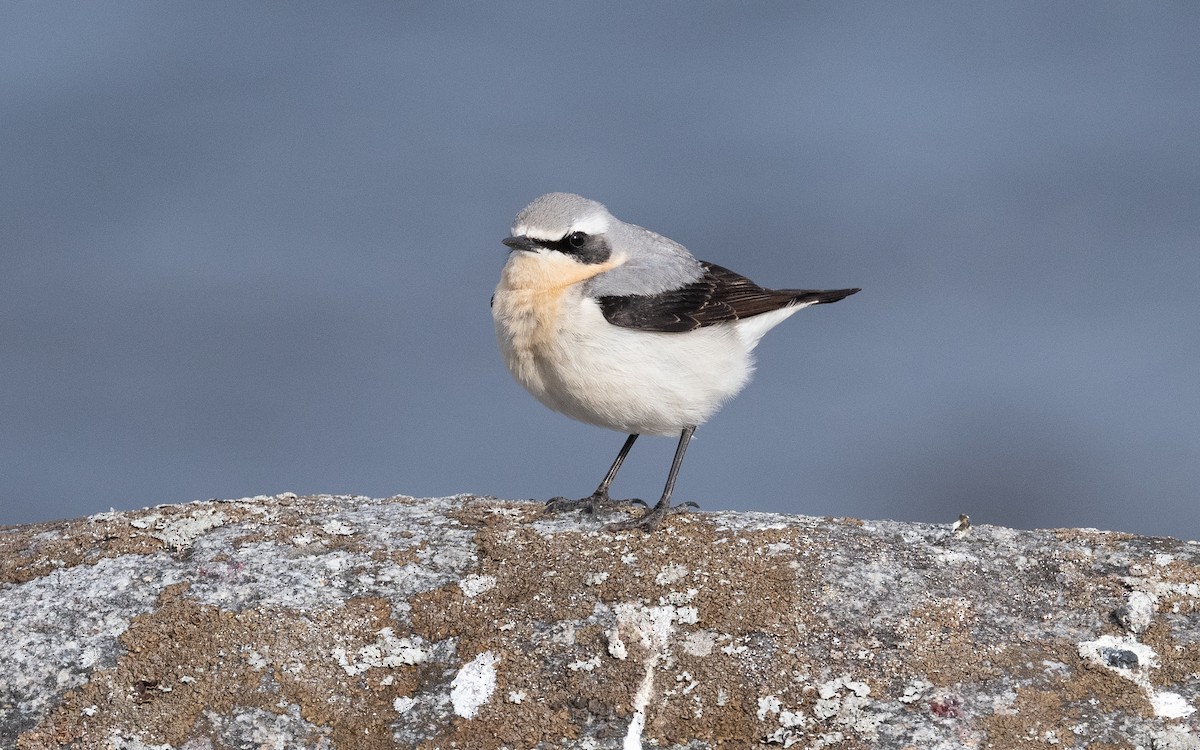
(818, 297)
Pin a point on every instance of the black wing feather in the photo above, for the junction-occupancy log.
(719, 296)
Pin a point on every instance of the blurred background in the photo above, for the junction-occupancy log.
(248, 248)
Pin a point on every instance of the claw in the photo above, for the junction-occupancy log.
(651, 519)
(591, 504)
(556, 504)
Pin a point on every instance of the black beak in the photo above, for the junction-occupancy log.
(521, 243)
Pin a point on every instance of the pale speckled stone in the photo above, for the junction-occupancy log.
(351, 622)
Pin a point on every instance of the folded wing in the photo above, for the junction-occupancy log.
(719, 296)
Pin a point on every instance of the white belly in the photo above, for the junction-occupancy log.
(559, 346)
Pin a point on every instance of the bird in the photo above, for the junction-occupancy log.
(620, 327)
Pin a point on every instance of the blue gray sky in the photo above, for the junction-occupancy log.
(248, 248)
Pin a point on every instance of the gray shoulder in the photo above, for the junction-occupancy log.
(656, 264)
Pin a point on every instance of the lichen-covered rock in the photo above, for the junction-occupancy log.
(469, 622)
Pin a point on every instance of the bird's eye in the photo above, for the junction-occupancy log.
(577, 239)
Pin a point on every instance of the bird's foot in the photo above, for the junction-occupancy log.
(651, 519)
(597, 501)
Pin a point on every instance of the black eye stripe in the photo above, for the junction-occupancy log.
(585, 247)
(571, 244)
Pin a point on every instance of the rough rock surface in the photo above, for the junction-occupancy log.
(470, 622)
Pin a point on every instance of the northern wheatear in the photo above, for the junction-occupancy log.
(620, 327)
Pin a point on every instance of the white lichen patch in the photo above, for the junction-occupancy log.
(474, 585)
(108, 516)
(687, 682)
(679, 597)
(842, 703)
(1138, 611)
(687, 615)
(652, 625)
(770, 709)
(335, 527)
(147, 521)
(403, 704)
(474, 684)
(586, 665)
(840, 697)
(859, 688)
(1108, 651)
(179, 532)
(255, 660)
(387, 651)
(1131, 660)
(1148, 581)
(779, 548)
(671, 573)
(699, 642)
(616, 645)
(1170, 705)
(1174, 738)
(768, 704)
(915, 690)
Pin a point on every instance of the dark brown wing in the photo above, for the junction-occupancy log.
(719, 296)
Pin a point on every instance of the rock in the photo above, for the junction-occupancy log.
(471, 622)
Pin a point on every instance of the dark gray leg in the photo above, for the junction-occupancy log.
(602, 491)
(653, 517)
(599, 498)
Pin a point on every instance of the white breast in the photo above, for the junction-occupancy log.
(558, 345)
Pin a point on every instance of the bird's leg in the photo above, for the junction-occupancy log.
(650, 520)
(601, 493)
(599, 498)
